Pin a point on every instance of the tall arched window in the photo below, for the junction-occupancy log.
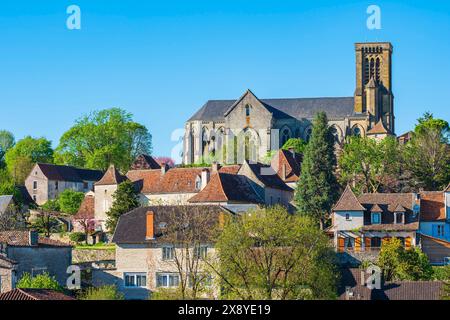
(356, 131)
(377, 72)
(247, 110)
(285, 136)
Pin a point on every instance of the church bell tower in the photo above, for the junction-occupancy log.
(373, 94)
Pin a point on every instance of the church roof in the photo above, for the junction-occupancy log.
(341, 107)
(379, 128)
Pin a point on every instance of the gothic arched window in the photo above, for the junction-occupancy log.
(285, 136)
(356, 131)
(377, 71)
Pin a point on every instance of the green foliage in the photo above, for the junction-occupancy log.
(41, 281)
(427, 155)
(77, 237)
(167, 294)
(8, 187)
(271, 254)
(6, 142)
(25, 153)
(102, 293)
(102, 138)
(125, 199)
(297, 144)
(70, 201)
(317, 189)
(441, 273)
(370, 165)
(398, 263)
(51, 205)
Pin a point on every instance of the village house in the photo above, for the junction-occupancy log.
(144, 252)
(47, 181)
(26, 251)
(361, 224)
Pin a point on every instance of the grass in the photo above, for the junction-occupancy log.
(97, 246)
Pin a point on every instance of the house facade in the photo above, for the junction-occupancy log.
(361, 224)
(26, 251)
(46, 181)
(256, 126)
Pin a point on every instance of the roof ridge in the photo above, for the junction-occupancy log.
(221, 185)
(27, 294)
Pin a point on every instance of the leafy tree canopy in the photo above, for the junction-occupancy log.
(102, 138)
(427, 122)
(125, 199)
(296, 143)
(41, 281)
(6, 142)
(70, 201)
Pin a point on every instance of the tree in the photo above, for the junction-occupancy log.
(101, 293)
(40, 281)
(271, 254)
(46, 221)
(370, 165)
(296, 143)
(86, 222)
(6, 142)
(101, 138)
(427, 154)
(125, 199)
(9, 187)
(25, 153)
(189, 232)
(70, 201)
(398, 263)
(317, 189)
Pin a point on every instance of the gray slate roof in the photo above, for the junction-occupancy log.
(4, 203)
(298, 108)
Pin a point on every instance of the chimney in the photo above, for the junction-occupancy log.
(164, 168)
(149, 230)
(33, 238)
(205, 178)
(215, 166)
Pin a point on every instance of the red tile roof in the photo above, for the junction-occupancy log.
(379, 128)
(22, 239)
(225, 187)
(34, 294)
(111, 177)
(432, 206)
(233, 169)
(145, 162)
(291, 161)
(348, 202)
(87, 208)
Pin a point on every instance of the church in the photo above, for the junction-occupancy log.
(249, 128)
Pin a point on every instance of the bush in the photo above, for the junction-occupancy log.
(77, 237)
(101, 293)
(41, 281)
(70, 201)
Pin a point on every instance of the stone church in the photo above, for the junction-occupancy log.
(231, 131)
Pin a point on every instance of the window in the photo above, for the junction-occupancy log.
(247, 111)
(438, 230)
(203, 279)
(375, 242)
(168, 253)
(135, 280)
(34, 198)
(356, 132)
(56, 185)
(399, 217)
(348, 217)
(376, 217)
(201, 252)
(167, 280)
(35, 185)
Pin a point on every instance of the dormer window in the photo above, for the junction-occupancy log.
(247, 111)
(399, 217)
(198, 183)
(376, 218)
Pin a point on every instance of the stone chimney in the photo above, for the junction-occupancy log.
(33, 238)
(149, 229)
(164, 168)
(215, 166)
(205, 178)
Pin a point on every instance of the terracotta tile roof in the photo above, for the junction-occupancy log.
(292, 162)
(376, 208)
(87, 208)
(269, 180)
(233, 169)
(69, 173)
(34, 294)
(174, 180)
(399, 208)
(399, 290)
(225, 187)
(131, 227)
(22, 239)
(379, 128)
(6, 262)
(112, 176)
(348, 202)
(447, 189)
(432, 206)
(145, 162)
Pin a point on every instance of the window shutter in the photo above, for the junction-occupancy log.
(341, 244)
(367, 242)
(358, 244)
(408, 242)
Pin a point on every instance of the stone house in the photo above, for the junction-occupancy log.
(144, 256)
(26, 251)
(47, 181)
(361, 224)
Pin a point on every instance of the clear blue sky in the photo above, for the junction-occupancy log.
(161, 60)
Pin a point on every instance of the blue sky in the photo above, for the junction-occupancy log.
(162, 60)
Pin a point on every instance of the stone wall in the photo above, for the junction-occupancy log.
(92, 255)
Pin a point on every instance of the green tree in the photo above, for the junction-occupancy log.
(271, 254)
(25, 153)
(398, 263)
(70, 201)
(317, 189)
(101, 138)
(297, 144)
(125, 199)
(9, 187)
(40, 281)
(101, 293)
(6, 142)
(427, 155)
(370, 165)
